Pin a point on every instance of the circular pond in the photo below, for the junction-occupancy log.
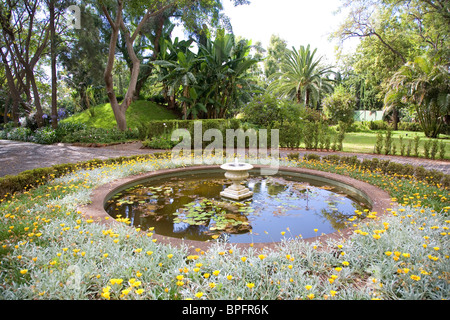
(188, 205)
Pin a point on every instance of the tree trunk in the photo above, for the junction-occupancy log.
(118, 113)
(395, 119)
(37, 99)
(5, 111)
(120, 109)
(53, 63)
(13, 91)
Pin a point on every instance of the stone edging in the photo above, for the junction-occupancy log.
(379, 199)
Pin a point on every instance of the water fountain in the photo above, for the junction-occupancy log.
(199, 203)
(236, 171)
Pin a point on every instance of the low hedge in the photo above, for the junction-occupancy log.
(30, 178)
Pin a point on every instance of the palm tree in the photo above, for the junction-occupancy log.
(180, 74)
(425, 87)
(225, 73)
(301, 78)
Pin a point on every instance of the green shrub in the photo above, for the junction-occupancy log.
(442, 150)
(293, 156)
(45, 135)
(66, 128)
(402, 146)
(162, 142)
(350, 160)
(408, 148)
(340, 105)
(379, 143)
(434, 148)
(19, 134)
(388, 141)
(416, 145)
(409, 126)
(333, 158)
(100, 135)
(394, 149)
(311, 156)
(378, 125)
(290, 135)
(263, 111)
(309, 132)
(426, 148)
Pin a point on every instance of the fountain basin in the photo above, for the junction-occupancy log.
(378, 199)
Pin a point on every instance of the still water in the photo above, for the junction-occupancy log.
(282, 206)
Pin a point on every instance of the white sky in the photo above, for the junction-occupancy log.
(299, 22)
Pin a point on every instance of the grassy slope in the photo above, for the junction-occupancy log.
(139, 111)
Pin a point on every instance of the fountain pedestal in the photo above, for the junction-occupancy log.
(236, 172)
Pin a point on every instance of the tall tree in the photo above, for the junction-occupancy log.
(276, 50)
(391, 33)
(424, 85)
(118, 25)
(82, 56)
(130, 31)
(51, 7)
(301, 78)
(25, 35)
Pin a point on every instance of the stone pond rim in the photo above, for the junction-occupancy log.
(377, 198)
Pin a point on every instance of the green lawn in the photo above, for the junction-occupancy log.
(101, 116)
(364, 142)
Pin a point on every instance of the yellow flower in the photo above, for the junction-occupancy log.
(206, 275)
(126, 291)
(212, 285)
(180, 277)
(116, 281)
(333, 293)
(229, 277)
(311, 296)
(170, 256)
(243, 259)
(308, 287)
(23, 271)
(345, 263)
(414, 277)
(199, 294)
(139, 291)
(261, 256)
(250, 285)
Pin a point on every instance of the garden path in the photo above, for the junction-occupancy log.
(16, 156)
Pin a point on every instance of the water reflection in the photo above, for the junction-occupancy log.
(190, 207)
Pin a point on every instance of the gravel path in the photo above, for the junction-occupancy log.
(16, 156)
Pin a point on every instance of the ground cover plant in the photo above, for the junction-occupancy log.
(50, 251)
